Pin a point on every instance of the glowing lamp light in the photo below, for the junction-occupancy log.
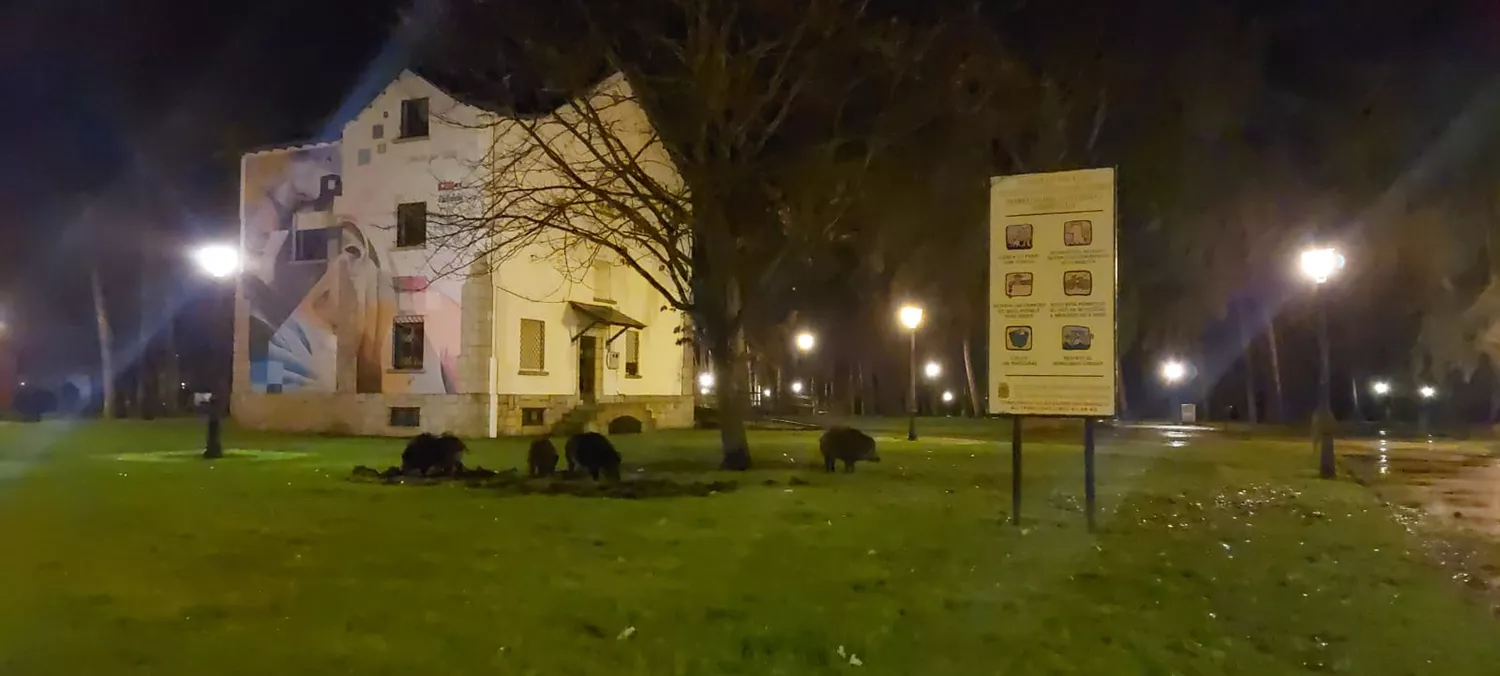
(766, 392)
(933, 370)
(1321, 264)
(219, 261)
(948, 396)
(1381, 388)
(1427, 391)
(1173, 371)
(706, 381)
(911, 316)
(797, 387)
(806, 341)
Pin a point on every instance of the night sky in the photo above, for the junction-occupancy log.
(152, 100)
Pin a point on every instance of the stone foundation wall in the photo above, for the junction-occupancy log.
(466, 415)
(660, 412)
(361, 414)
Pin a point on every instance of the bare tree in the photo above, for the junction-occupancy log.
(717, 159)
(106, 344)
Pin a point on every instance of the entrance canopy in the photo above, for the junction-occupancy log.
(604, 315)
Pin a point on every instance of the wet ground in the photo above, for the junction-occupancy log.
(1455, 483)
(1447, 494)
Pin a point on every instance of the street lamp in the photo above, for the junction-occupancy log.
(796, 387)
(947, 396)
(1173, 371)
(1319, 265)
(933, 370)
(220, 262)
(806, 341)
(1382, 390)
(1424, 413)
(911, 318)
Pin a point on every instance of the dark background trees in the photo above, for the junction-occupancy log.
(838, 154)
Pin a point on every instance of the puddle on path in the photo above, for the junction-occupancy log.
(1445, 493)
(1456, 483)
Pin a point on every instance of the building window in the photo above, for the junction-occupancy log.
(531, 417)
(603, 280)
(408, 342)
(310, 245)
(406, 416)
(633, 354)
(411, 224)
(377, 132)
(533, 345)
(413, 118)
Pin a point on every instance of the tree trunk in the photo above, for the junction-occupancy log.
(730, 375)
(1247, 346)
(145, 372)
(1278, 408)
(106, 346)
(727, 346)
(974, 409)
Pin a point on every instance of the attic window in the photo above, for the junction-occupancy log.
(414, 118)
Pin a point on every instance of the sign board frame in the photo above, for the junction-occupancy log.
(1056, 207)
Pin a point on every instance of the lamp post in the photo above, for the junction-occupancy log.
(805, 342)
(911, 318)
(1382, 391)
(1319, 265)
(1173, 373)
(932, 370)
(1427, 393)
(220, 262)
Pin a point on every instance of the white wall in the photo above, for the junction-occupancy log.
(537, 284)
(533, 284)
(413, 170)
(538, 280)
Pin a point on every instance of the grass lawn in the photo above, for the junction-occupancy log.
(1212, 559)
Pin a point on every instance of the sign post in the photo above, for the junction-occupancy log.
(1052, 304)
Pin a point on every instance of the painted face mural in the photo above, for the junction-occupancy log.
(323, 292)
(291, 348)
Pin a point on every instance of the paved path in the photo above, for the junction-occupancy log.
(1456, 483)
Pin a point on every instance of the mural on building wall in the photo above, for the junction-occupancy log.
(296, 299)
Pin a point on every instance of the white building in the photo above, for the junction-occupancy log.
(351, 319)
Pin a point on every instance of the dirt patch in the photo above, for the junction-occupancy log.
(512, 482)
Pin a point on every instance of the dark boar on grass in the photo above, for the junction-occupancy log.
(542, 458)
(847, 445)
(592, 451)
(433, 455)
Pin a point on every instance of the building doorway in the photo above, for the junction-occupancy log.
(588, 353)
